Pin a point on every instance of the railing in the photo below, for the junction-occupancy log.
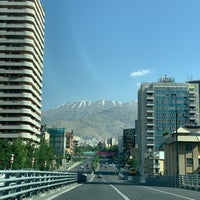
(189, 181)
(17, 184)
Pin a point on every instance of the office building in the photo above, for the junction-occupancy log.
(163, 106)
(58, 141)
(21, 68)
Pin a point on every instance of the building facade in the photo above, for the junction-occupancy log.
(21, 68)
(109, 142)
(70, 143)
(129, 145)
(196, 82)
(163, 106)
(58, 141)
(188, 151)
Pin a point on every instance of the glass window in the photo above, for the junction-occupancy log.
(188, 147)
(189, 161)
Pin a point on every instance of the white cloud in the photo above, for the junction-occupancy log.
(141, 73)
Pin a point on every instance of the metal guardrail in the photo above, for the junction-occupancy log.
(18, 184)
(189, 181)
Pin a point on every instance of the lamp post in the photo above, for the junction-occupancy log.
(176, 127)
(45, 164)
(11, 160)
(32, 162)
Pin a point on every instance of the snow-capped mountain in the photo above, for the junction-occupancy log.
(92, 118)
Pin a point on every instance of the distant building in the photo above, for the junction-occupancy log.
(120, 144)
(110, 142)
(58, 141)
(163, 106)
(154, 163)
(188, 151)
(198, 83)
(120, 150)
(129, 144)
(21, 69)
(70, 142)
(45, 134)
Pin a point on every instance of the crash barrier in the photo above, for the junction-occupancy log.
(133, 179)
(18, 184)
(189, 181)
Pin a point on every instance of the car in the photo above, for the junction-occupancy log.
(99, 176)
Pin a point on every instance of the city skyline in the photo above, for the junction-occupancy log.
(98, 50)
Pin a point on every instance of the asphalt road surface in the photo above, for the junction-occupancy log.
(106, 185)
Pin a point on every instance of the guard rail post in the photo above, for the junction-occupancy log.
(5, 192)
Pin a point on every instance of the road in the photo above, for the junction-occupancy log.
(109, 186)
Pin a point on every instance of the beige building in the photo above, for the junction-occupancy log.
(70, 142)
(110, 142)
(154, 163)
(188, 151)
(21, 68)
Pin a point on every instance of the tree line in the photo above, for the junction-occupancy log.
(18, 155)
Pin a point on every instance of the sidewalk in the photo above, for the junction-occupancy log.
(72, 165)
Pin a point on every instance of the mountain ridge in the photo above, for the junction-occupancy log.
(100, 119)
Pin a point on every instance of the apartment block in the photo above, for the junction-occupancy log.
(21, 68)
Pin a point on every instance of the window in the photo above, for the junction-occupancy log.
(189, 161)
(188, 147)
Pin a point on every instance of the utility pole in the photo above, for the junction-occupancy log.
(176, 131)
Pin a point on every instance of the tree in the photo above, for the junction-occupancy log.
(20, 154)
(30, 146)
(5, 153)
(44, 155)
(24, 154)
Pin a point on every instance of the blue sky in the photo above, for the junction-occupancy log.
(104, 49)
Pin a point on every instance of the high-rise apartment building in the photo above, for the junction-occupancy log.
(21, 68)
(163, 106)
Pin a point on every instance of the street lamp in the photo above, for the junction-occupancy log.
(11, 160)
(32, 162)
(176, 127)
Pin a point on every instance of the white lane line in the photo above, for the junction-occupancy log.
(168, 193)
(124, 196)
(67, 190)
(120, 193)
